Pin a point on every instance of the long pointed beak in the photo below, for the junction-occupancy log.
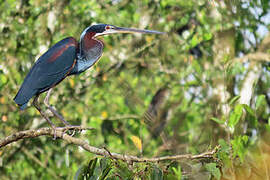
(118, 30)
(133, 30)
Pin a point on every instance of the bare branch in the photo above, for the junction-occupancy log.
(39, 132)
(128, 116)
(257, 56)
(260, 55)
(60, 133)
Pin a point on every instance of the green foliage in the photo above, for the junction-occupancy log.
(198, 61)
(217, 120)
(251, 116)
(233, 100)
(105, 168)
(212, 168)
(224, 152)
(94, 169)
(238, 146)
(260, 102)
(235, 117)
(178, 172)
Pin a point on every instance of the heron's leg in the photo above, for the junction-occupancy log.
(58, 115)
(35, 103)
(46, 102)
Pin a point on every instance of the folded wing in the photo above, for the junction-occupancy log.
(50, 69)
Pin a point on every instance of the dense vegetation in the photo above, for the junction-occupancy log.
(206, 83)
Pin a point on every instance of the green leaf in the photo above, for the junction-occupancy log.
(105, 166)
(194, 41)
(238, 146)
(217, 120)
(249, 110)
(207, 36)
(235, 115)
(259, 101)
(224, 146)
(233, 100)
(92, 166)
(224, 152)
(212, 168)
(177, 172)
(245, 139)
(105, 172)
(3, 80)
(251, 116)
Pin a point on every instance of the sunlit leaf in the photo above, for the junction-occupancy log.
(149, 39)
(207, 36)
(137, 142)
(71, 82)
(194, 41)
(2, 100)
(217, 120)
(104, 114)
(178, 172)
(233, 100)
(104, 77)
(235, 116)
(238, 145)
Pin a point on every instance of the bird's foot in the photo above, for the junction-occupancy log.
(72, 129)
(68, 129)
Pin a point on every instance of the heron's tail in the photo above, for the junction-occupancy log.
(18, 101)
(23, 96)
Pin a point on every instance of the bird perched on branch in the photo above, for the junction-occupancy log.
(65, 58)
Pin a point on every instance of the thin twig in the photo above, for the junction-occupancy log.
(59, 133)
(129, 116)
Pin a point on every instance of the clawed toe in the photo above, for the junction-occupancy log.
(72, 129)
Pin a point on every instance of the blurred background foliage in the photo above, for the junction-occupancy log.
(205, 83)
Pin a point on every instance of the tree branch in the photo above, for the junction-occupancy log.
(260, 55)
(257, 56)
(60, 133)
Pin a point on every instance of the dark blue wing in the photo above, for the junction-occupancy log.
(51, 68)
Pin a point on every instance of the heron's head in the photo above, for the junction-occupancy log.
(103, 29)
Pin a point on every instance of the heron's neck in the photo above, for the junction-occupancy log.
(82, 64)
(89, 53)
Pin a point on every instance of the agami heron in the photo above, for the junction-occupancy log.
(65, 58)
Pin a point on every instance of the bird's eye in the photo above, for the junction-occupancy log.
(109, 27)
